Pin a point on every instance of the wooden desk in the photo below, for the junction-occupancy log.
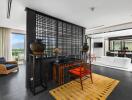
(58, 70)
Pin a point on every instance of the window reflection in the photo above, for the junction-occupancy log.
(117, 45)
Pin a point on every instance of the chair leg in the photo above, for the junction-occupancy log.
(91, 78)
(81, 83)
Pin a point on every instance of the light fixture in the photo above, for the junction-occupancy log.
(92, 8)
(9, 8)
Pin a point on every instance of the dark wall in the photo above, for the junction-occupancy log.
(30, 37)
(53, 32)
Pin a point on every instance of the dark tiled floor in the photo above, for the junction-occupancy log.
(12, 87)
(124, 90)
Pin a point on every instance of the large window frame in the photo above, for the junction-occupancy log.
(16, 52)
(122, 43)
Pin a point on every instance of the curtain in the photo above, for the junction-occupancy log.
(5, 43)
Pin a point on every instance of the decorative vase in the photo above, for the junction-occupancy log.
(85, 47)
(37, 47)
(57, 51)
(57, 59)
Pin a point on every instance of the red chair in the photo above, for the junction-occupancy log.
(83, 70)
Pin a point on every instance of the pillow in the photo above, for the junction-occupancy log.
(2, 60)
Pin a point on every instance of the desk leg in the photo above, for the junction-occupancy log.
(59, 81)
(61, 74)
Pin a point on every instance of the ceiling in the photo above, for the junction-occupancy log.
(106, 12)
(112, 34)
(18, 16)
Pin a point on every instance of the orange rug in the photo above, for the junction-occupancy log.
(99, 90)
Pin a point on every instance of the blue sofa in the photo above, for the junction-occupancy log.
(7, 67)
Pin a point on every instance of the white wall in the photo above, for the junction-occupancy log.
(97, 51)
(113, 34)
(106, 46)
(104, 39)
(111, 28)
(17, 18)
(100, 51)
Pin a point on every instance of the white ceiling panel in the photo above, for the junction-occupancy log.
(106, 12)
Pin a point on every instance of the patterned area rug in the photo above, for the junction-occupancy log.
(99, 90)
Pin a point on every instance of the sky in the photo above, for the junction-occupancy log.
(18, 41)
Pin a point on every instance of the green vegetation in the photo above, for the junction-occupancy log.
(16, 53)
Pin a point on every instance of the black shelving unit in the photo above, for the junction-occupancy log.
(37, 85)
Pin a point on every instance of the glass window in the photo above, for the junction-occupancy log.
(117, 45)
(128, 44)
(18, 46)
(111, 45)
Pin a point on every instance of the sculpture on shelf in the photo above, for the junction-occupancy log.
(37, 47)
(85, 46)
(57, 51)
(85, 49)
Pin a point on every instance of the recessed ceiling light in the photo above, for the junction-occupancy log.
(92, 8)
